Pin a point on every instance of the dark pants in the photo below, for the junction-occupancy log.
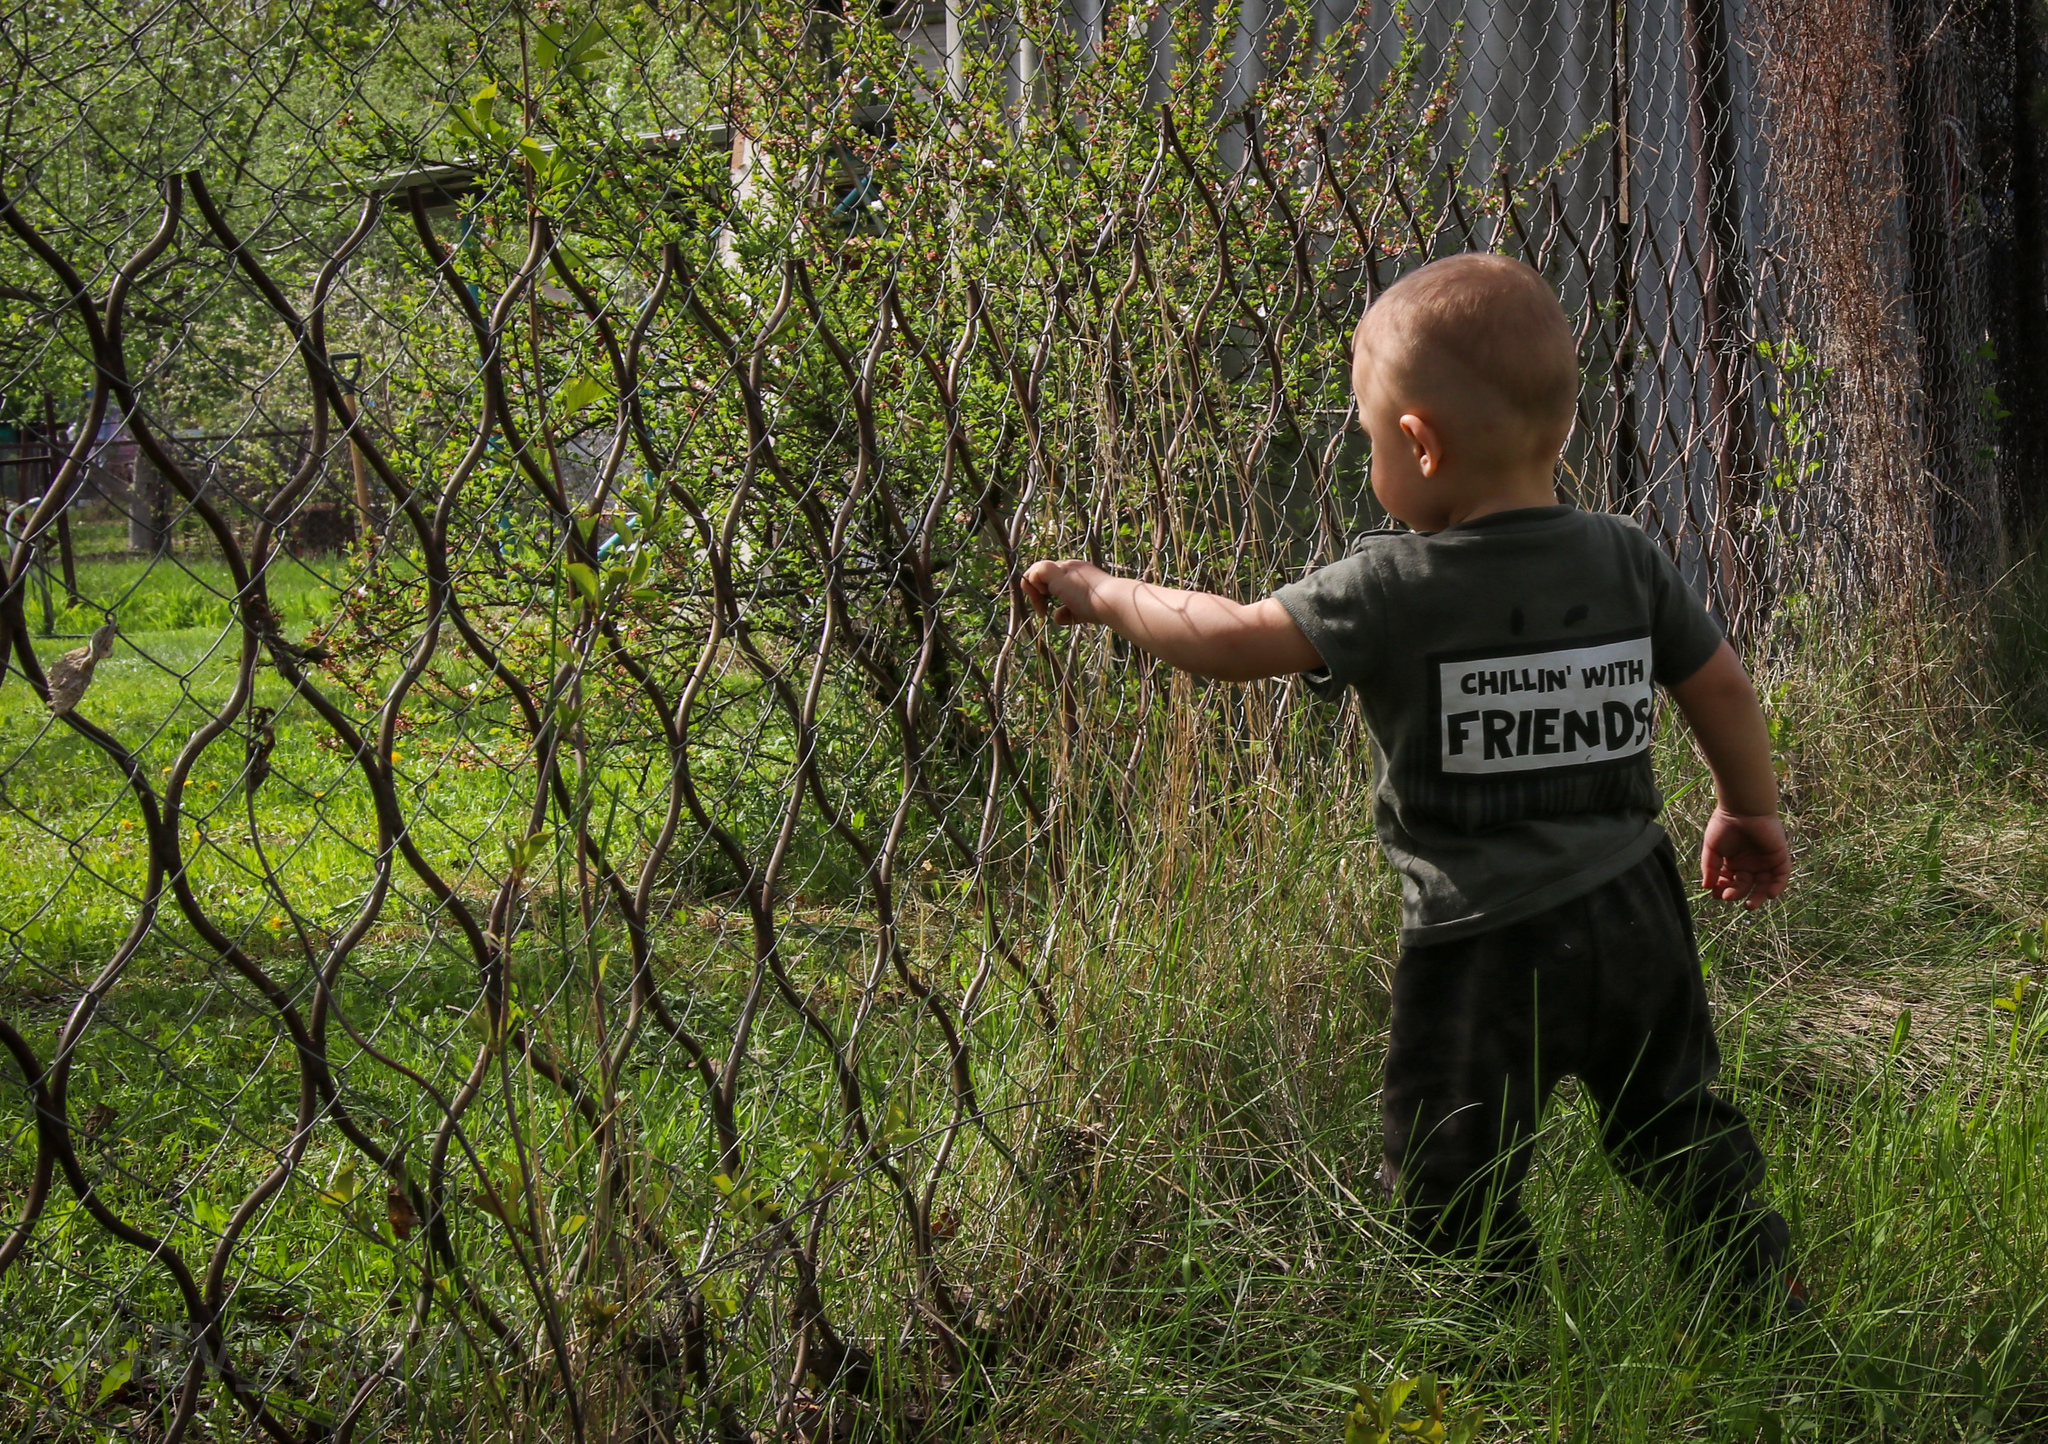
(1607, 987)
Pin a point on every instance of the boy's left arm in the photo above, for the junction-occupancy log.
(1197, 632)
(1743, 856)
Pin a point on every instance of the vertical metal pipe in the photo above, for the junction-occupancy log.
(64, 553)
(2023, 349)
(956, 54)
(366, 522)
(1724, 299)
(1027, 61)
(1625, 486)
(1919, 43)
(146, 522)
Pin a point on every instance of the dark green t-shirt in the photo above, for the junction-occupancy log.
(1505, 669)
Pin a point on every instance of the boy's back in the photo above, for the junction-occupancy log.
(1505, 669)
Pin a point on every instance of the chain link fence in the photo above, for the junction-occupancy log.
(546, 857)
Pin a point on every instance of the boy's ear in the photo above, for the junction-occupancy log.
(1428, 445)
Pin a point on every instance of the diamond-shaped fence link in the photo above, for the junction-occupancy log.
(543, 841)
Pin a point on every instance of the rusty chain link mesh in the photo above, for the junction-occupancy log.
(552, 907)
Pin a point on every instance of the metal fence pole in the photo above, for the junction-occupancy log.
(147, 532)
(1725, 299)
(1625, 493)
(65, 556)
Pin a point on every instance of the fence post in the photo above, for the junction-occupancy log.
(64, 552)
(147, 528)
(348, 372)
(1624, 493)
(1724, 297)
(1918, 47)
(366, 523)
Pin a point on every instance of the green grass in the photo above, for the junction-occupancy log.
(72, 832)
(1241, 1261)
(1193, 1244)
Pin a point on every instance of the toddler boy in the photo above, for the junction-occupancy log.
(1504, 650)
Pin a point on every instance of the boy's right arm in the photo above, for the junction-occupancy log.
(1743, 854)
(1197, 632)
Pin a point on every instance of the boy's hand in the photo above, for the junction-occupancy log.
(1069, 587)
(1744, 859)
(1198, 632)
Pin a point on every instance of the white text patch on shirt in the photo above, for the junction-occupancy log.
(1535, 710)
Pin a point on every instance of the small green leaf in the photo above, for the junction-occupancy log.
(585, 581)
(342, 1188)
(521, 853)
(579, 392)
(542, 161)
(475, 121)
(899, 1128)
(577, 56)
(829, 1162)
(1370, 1420)
(723, 1294)
(118, 1374)
(69, 1378)
(548, 45)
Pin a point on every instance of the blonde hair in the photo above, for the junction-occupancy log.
(1476, 331)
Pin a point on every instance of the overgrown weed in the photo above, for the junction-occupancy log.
(1237, 1270)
